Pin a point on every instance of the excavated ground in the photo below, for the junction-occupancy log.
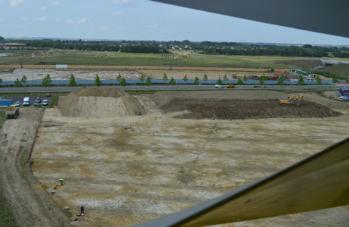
(245, 109)
(127, 169)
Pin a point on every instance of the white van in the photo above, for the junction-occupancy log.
(26, 101)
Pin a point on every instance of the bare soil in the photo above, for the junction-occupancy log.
(128, 169)
(245, 109)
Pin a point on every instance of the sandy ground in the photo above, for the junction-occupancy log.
(130, 169)
(30, 204)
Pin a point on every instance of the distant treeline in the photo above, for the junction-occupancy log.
(130, 47)
(224, 48)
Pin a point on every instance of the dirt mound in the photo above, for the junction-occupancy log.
(100, 103)
(245, 109)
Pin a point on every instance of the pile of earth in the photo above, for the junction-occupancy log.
(99, 103)
(244, 109)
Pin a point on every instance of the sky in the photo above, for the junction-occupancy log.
(140, 20)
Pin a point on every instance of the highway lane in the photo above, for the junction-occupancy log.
(63, 89)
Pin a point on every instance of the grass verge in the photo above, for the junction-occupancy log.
(6, 218)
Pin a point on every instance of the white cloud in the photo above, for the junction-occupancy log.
(122, 2)
(152, 26)
(14, 3)
(42, 18)
(71, 21)
(104, 28)
(117, 13)
(81, 20)
(54, 3)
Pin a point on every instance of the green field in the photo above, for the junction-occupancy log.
(185, 59)
(131, 59)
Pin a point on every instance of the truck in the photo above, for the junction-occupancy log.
(12, 112)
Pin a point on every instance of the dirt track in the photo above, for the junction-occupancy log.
(29, 203)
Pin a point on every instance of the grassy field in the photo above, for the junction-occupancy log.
(132, 59)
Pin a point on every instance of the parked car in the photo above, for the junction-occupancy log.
(17, 104)
(44, 102)
(37, 101)
(219, 86)
(26, 101)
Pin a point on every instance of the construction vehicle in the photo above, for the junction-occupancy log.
(12, 112)
(292, 100)
(230, 86)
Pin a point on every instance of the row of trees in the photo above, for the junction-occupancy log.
(225, 48)
(130, 47)
(47, 81)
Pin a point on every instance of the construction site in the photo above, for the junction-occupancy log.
(128, 159)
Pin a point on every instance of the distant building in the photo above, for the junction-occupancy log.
(12, 46)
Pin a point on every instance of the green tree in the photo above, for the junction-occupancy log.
(185, 78)
(72, 81)
(142, 78)
(261, 80)
(301, 80)
(205, 78)
(0, 82)
(123, 82)
(334, 79)
(219, 81)
(24, 79)
(98, 80)
(165, 78)
(244, 77)
(240, 81)
(281, 80)
(119, 77)
(272, 70)
(172, 81)
(18, 83)
(225, 78)
(196, 80)
(318, 80)
(148, 81)
(46, 82)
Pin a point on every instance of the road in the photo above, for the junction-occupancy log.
(30, 207)
(167, 88)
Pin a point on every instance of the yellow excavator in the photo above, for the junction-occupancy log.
(292, 100)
